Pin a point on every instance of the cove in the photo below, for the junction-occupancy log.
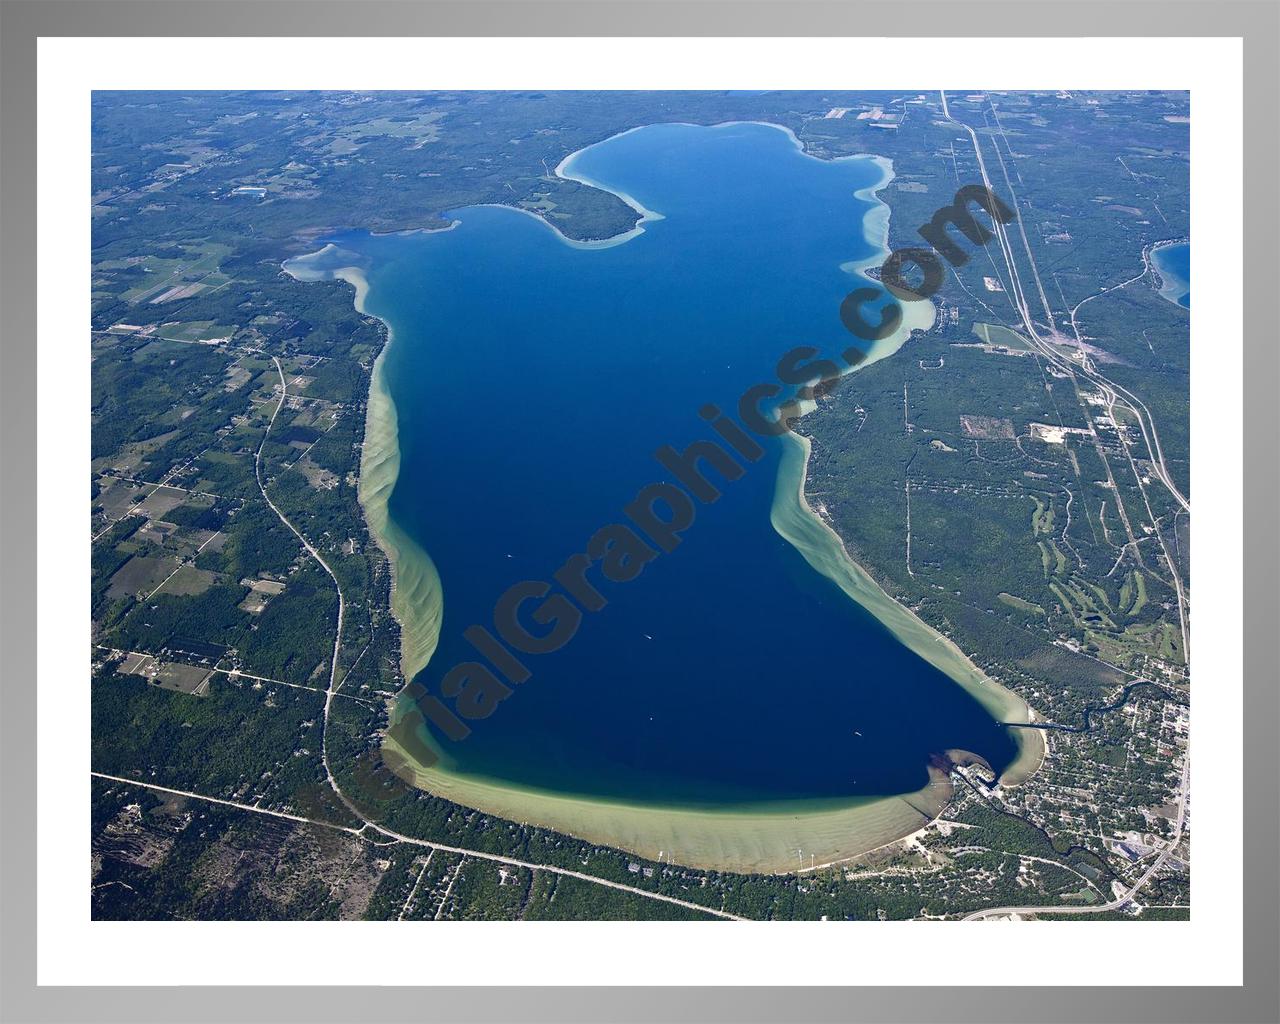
(1173, 264)
(752, 701)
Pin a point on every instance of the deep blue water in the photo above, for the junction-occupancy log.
(1174, 264)
(534, 381)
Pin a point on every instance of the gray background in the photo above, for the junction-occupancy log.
(1257, 21)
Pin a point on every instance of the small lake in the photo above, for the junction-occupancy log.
(533, 380)
(1173, 263)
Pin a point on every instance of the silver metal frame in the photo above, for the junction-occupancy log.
(21, 23)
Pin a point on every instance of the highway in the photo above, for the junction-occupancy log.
(1112, 392)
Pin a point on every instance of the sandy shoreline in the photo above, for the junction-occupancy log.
(825, 550)
(759, 838)
(417, 595)
(1171, 285)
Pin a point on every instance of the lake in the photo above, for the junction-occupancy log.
(1173, 262)
(532, 381)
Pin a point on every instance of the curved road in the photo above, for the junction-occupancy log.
(1112, 391)
(1120, 901)
(477, 854)
(337, 638)
(328, 702)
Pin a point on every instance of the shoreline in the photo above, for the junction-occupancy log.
(748, 838)
(751, 838)
(824, 549)
(1171, 285)
(417, 593)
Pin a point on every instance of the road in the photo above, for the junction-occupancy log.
(133, 507)
(337, 637)
(1139, 409)
(236, 673)
(1120, 901)
(359, 833)
(1112, 392)
(408, 900)
(331, 691)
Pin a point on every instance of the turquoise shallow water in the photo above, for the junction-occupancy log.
(1174, 264)
(534, 381)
